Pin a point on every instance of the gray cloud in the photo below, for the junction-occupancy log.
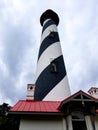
(17, 61)
(18, 55)
(16, 43)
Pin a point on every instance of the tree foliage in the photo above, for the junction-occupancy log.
(7, 122)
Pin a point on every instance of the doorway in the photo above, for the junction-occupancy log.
(79, 125)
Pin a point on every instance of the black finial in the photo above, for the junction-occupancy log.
(49, 14)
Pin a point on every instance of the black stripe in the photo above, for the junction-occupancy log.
(48, 23)
(47, 80)
(47, 42)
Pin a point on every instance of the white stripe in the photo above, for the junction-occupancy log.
(52, 52)
(51, 28)
(59, 92)
(46, 21)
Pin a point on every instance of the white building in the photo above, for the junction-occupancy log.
(79, 111)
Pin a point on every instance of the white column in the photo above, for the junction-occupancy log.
(96, 122)
(69, 122)
(88, 122)
(64, 124)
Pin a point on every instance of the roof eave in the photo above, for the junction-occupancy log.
(35, 113)
(75, 94)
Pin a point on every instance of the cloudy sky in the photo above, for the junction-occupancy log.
(20, 34)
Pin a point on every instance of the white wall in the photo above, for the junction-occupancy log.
(42, 124)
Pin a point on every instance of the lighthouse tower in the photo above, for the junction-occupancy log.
(51, 77)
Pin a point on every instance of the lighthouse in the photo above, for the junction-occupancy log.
(51, 76)
(49, 104)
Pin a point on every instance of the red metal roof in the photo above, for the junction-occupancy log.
(36, 106)
(53, 107)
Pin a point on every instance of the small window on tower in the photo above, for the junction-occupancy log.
(51, 35)
(53, 66)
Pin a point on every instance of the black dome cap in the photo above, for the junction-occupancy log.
(49, 14)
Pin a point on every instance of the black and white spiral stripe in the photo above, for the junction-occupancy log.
(50, 86)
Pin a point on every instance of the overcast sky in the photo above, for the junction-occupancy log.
(20, 34)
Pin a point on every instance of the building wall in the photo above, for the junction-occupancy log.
(29, 123)
(95, 95)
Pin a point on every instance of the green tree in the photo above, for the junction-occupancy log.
(7, 122)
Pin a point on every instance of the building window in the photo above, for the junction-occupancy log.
(78, 121)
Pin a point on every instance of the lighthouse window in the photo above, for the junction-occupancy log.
(53, 66)
(31, 88)
(51, 34)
